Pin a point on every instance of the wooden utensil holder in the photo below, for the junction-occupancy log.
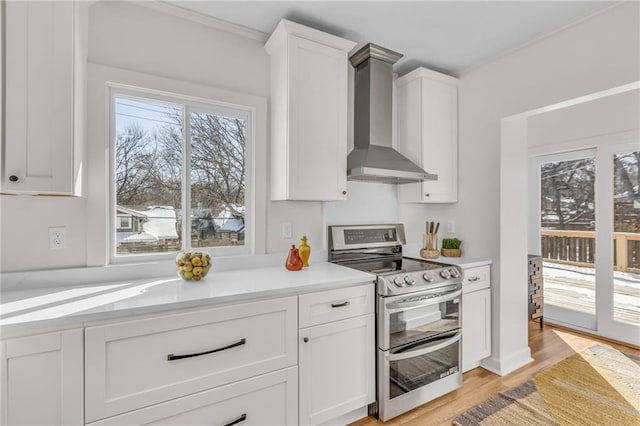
(430, 251)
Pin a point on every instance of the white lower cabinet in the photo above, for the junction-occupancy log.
(269, 399)
(337, 358)
(233, 364)
(476, 317)
(134, 364)
(42, 382)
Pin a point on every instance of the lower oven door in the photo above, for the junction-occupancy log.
(416, 373)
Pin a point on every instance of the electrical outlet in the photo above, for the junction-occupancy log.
(57, 237)
(287, 230)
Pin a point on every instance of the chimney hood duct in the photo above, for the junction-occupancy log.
(373, 159)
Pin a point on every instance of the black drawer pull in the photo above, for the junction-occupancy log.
(242, 418)
(172, 357)
(474, 278)
(340, 305)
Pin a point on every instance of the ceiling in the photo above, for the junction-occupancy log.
(448, 36)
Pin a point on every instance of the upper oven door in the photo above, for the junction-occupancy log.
(416, 316)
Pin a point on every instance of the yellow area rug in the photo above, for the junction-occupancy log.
(598, 386)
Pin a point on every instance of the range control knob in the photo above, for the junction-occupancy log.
(409, 280)
(398, 282)
(427, 277)
(445, 274)
(454, 273)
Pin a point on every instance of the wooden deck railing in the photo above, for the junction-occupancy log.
(578, 248)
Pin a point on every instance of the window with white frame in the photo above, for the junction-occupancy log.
(179, 174)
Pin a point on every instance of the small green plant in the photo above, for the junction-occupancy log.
(451, 243)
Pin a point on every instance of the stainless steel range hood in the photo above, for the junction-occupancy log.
(373, 158)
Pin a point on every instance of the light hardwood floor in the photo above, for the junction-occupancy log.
(548, 346)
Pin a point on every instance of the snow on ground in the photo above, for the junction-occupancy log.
(574, 287)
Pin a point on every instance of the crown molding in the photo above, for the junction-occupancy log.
(210, 21)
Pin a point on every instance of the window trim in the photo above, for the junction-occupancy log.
(100, 80)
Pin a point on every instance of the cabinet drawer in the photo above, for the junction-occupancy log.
(269, 399)
(138, 363)
(334, 305)
(476, 278)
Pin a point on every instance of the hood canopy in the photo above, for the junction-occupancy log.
(373, 158)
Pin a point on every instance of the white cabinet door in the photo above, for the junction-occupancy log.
(476, 328)
(308, 113)
(42, 382)
(337, 368)
(269, 399)
(428, 133)
(39, 90)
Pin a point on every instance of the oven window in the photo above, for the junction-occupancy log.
(423, 322)
(408, 374)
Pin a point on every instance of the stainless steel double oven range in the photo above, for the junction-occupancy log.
(417, 316)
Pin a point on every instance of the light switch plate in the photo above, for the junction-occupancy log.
(287, 230)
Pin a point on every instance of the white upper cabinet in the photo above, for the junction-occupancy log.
(428, 134)
(42, 94)
(309, 90)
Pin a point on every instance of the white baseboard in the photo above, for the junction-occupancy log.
(350, 417)
(507, 364)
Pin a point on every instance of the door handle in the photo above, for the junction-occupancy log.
(420, 352)
(172, 357)
(242, 418)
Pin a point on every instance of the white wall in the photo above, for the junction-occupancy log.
(594, 55)
(136, 38)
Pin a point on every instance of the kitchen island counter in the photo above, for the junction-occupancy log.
(53, 306)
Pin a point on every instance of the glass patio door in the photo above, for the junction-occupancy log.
(619, 308)
(587, 216)
(567, 220)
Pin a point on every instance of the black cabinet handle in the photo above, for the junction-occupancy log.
(340, 305)
(344, 192)
(172, 357)
(306, 340)
(13, 178)
(474, 278)
(242, 418)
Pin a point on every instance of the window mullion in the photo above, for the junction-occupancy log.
(186, 178)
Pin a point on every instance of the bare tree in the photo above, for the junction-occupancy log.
(135, 159)
(217, 160)
(567, 191)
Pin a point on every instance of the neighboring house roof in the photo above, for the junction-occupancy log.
(232, 211)
(233, 224)
(125, 211)
(142, 237)
(160, 223)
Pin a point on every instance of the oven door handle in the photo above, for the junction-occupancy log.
(424, 351)
(400, 306)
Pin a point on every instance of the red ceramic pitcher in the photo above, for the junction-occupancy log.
(294, 262)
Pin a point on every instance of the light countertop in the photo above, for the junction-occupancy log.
(413, 250)
(55, 307)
